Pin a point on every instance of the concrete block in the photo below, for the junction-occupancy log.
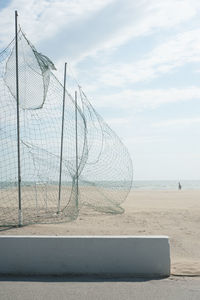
(85, 255)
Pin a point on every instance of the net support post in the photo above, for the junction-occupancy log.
(18, 123)
(76, 150)
(20, 217)
(62, 136)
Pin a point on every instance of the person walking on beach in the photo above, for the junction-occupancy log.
(179, 186)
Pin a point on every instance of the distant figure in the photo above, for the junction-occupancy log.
(179, 186)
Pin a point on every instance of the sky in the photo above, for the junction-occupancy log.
(138, 63)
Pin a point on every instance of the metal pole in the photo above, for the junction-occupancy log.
(46, 196)
(36, 200)
(18, 121)
(76, 136)
(62, 134)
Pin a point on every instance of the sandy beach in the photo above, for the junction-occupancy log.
(172, 213)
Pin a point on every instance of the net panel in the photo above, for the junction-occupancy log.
(104, 174)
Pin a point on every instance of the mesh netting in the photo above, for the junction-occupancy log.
(104, 175)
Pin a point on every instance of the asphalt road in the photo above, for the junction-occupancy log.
(98, 288)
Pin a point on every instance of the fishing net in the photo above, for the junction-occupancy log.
(96, 167)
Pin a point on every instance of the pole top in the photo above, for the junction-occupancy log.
(16, 14)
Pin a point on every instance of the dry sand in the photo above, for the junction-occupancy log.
(172, 213)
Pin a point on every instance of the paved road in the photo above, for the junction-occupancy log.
(52, 288)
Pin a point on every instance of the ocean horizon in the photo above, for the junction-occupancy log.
(165, 184)
(136, 184)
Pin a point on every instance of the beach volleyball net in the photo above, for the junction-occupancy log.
(95, 172)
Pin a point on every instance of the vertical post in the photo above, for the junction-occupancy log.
(76, 138)
(46, 196)
(36, 200)
(62, 134)
(18, 123)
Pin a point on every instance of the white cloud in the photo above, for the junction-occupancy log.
(118, 121)
(177, 122)
(181, 49)
(152, 16)
(44, 19)
(147, 99)
(141, 18)
(144, 139)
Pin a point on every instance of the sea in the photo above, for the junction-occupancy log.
(136, 184)
(165, 184)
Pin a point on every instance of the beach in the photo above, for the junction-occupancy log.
(172, 213)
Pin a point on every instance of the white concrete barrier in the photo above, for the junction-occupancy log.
(85, 255)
